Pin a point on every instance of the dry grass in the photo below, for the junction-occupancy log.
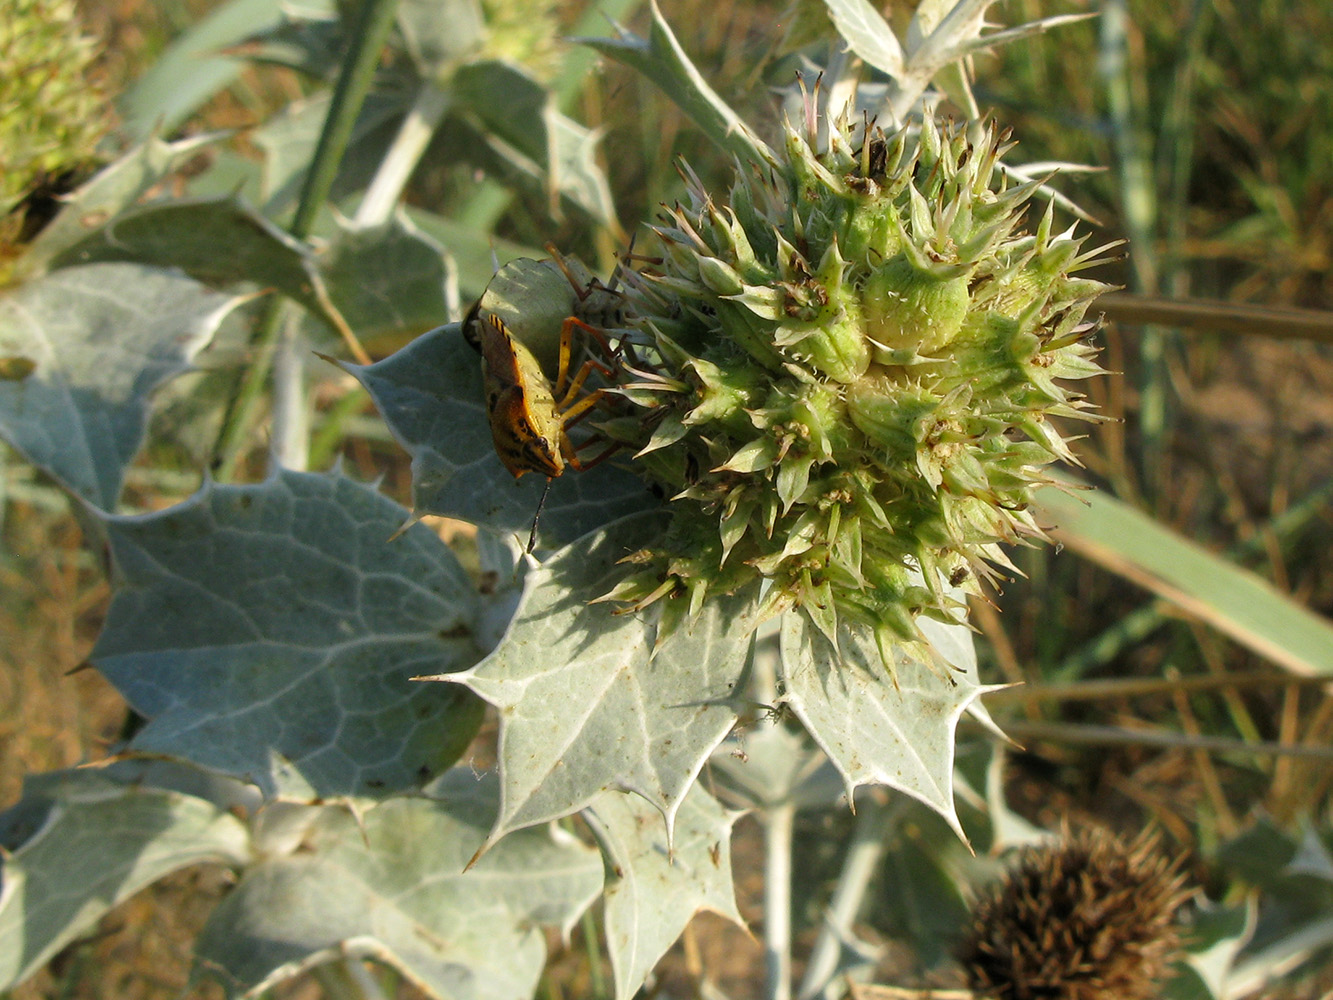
(52, 598)
(54, 715)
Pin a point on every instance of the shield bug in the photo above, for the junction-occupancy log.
(528, 416)
(524, 326)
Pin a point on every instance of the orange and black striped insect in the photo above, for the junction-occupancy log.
(511, 326)
(529, 417)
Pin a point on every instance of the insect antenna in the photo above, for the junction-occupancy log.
(541, 502)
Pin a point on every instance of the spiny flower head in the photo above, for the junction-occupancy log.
(522, 32)
(852, 361)
(51, 114)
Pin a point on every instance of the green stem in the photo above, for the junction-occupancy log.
(333, 428)
(358, 72)
(873, 821)
(778, 822)
(592, 946)
(1138, 205)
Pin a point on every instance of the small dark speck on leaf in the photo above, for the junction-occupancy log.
(459, 631)
(16, 368)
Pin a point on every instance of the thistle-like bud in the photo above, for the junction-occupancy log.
(856, 356)
(1087, 919)
(524, 33)
(52, 114)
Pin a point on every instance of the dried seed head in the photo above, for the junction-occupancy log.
(1086, 919)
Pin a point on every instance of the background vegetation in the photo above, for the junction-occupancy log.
(1217, 132)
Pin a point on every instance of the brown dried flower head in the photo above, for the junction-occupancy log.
(1089, 918)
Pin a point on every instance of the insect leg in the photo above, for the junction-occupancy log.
(579, 465)
(571, 416)
(566, 388)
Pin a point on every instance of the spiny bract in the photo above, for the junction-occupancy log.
(849, 368)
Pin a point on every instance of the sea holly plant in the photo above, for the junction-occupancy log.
(828, 389)
(837, 385)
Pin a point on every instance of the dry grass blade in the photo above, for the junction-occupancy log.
(1281, 322)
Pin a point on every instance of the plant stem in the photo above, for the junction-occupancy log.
(1119, 688)
(290, 446)
(1139, 211)
(414, 135)
(858, 867)
(778, 823)
(592, 947)
(1276, 322)
(358, 71)
(1075, 734)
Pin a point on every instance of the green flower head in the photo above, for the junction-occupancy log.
(844, 375)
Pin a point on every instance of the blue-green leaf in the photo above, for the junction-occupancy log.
(585, 702)
(95, 342)
(106, 195)
(386, 280)
(897, 731)
(476, 254)
(519, 117)
(389, 884)
(660, 886)
(867, 34)
(439, 33)
(271, 632)
(218, 241)
(80, 842)
(661, 59)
